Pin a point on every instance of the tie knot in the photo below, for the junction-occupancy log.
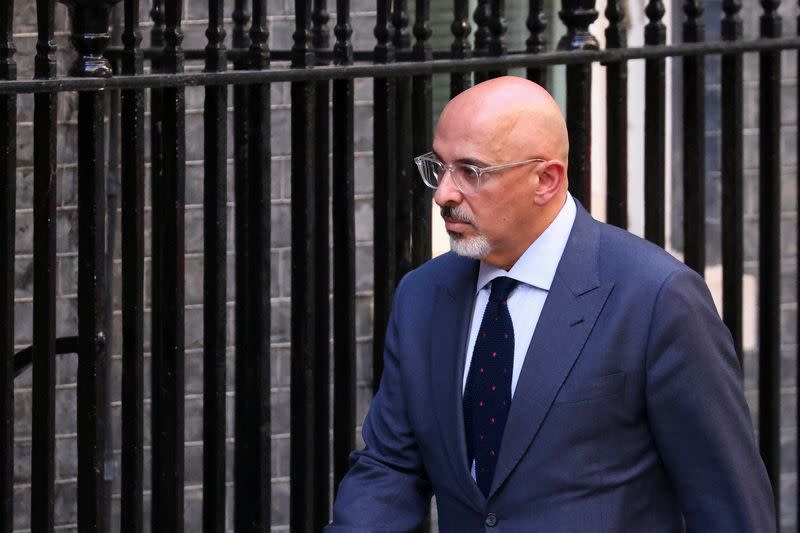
(501, 288)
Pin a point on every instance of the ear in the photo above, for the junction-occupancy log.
(552, 178)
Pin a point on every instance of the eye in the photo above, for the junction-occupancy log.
(469, 172)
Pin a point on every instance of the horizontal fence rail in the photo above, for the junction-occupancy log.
(436, 66)
(298, 254)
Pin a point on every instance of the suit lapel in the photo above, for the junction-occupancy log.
(573, 304)
(453, 302)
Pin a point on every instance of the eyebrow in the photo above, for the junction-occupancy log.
(471, 161)
(464, 160)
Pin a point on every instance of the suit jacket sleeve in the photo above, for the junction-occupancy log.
(386, 489)
(698, 415)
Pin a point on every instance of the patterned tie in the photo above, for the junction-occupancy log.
(487, 396)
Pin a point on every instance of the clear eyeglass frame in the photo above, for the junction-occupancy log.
(467, 178)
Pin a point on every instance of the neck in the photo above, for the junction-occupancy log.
(539, 224)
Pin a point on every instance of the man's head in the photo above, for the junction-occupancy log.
(503, 120)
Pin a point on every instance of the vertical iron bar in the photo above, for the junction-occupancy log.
(303, 440)
(797, 276)
(422, 131)
(732, 176)
(44, 276)
(215, 228)
(537, 42)
(168, 352)
(655, 33)
(461, 48)
(8, 191)
(157, 246)
(113, 191)
(769, 219)
(577, 15)
(401, 38)
(243, 473)
(344, 285)
(481, 16)
(253, 483)
(694, 137)
(92, 349)
(90, 37)
(497, 31)
(132, 228)
(405, 170)
(616, 121)
(322, 153)
(385, 186)
(422, 135)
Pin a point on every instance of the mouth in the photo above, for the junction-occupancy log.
(455, 225)
(454, 221)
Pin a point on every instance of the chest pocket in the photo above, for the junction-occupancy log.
(606, 386)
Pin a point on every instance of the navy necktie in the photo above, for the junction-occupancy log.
(487, 395)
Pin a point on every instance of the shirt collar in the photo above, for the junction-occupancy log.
(537, 266)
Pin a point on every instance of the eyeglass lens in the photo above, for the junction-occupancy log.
(433, 171)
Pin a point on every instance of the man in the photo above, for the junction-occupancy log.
(553, 374)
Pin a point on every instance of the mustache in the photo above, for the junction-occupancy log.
(454, 212)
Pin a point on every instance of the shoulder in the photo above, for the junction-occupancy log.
(624, 257)
(448, 269)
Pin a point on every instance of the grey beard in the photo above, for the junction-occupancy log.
(476, 247)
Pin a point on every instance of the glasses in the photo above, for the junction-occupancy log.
(465, 176)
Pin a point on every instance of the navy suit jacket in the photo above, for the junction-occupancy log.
(628, 416)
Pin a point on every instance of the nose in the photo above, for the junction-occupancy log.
(447, 193)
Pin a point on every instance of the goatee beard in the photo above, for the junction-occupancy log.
(477, 246)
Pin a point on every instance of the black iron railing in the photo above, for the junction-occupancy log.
(321, 71)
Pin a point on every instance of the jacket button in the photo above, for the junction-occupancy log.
(491, 520)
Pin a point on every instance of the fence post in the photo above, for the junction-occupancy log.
(461, 48)
(304, 303)
(405, 154)
(655, 33)
(322, 200)
(422, 137)
(616, 121)
(168, 292)
(253, 473)
(694, 142)
(8, 191)
(497, 33)
(732, 177)
(578, 15)
(482, 34)
(246, 498)
(90, 36)
(45, 111)
(769, 260)
(344, 334)
(536, 42)
(132, 227)
(215, 250)
(385, 180)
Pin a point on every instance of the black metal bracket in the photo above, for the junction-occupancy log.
(24, 357)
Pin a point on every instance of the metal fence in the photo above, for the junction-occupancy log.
(403, 113)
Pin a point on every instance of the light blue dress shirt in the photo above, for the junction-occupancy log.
(535, 271)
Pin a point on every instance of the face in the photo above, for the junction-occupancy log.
(491, 223)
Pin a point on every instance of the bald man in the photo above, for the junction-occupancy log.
(551, 373)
